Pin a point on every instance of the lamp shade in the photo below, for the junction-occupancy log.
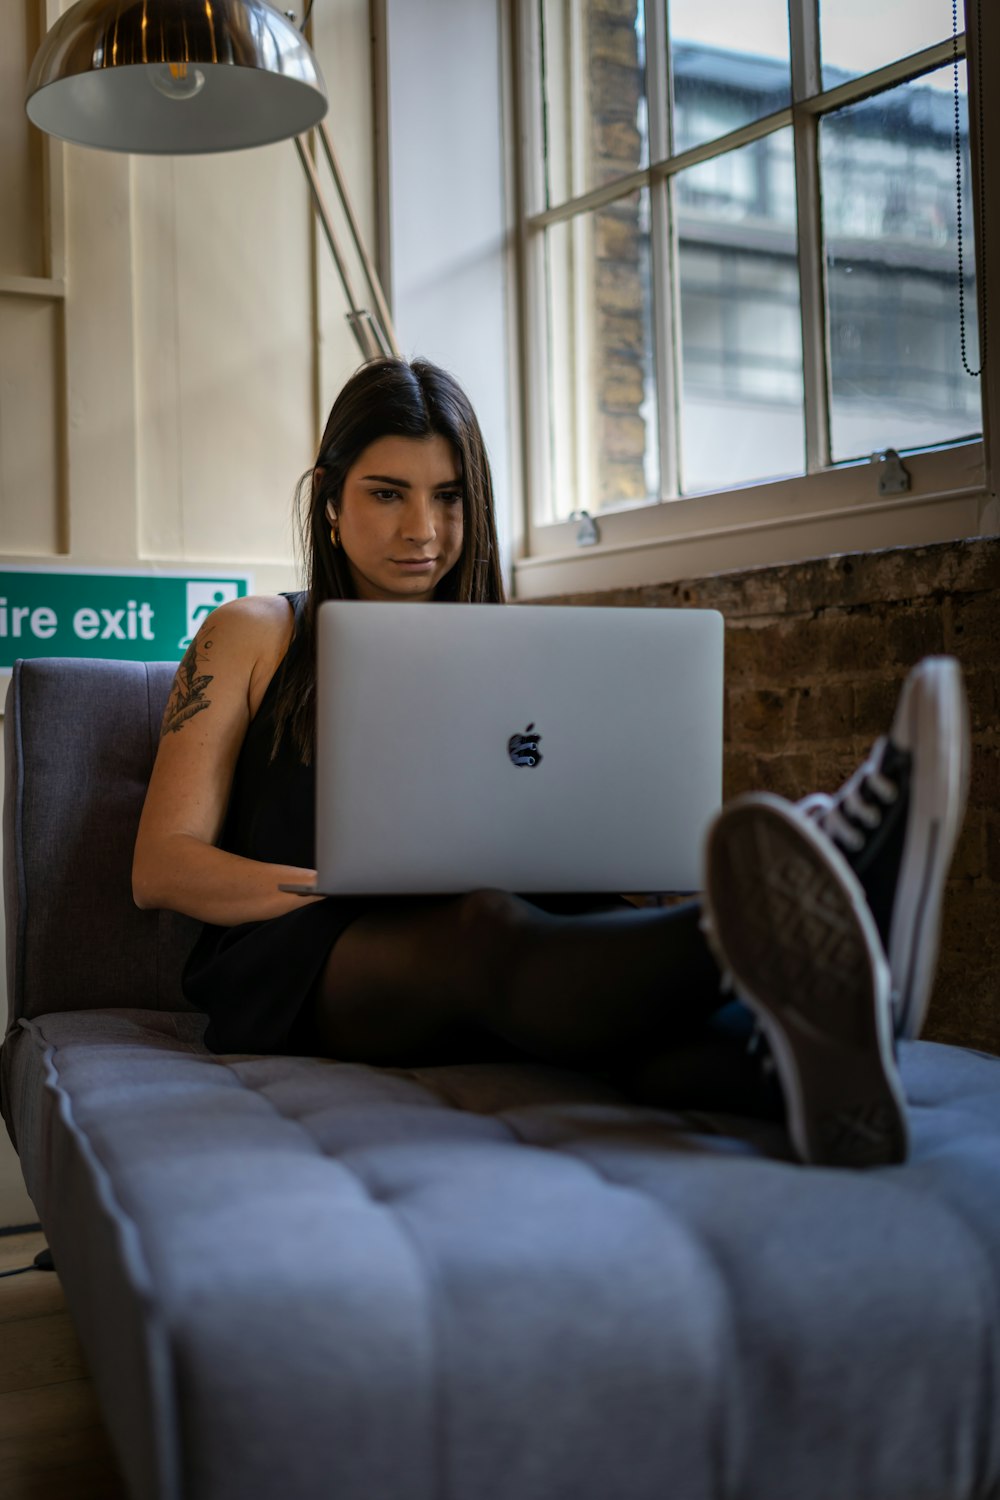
(174, 77)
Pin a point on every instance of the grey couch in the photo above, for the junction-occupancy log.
(298, 1279)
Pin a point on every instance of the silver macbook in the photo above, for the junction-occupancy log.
(527, 748)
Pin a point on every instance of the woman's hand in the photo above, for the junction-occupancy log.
(217, 690)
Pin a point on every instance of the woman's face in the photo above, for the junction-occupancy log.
(400, 517)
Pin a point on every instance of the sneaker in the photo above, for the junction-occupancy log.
(897, 821)
(786, 916)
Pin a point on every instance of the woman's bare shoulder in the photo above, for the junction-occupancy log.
(256, 616)
(255, 632)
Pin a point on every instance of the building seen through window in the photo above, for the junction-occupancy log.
(726, 251)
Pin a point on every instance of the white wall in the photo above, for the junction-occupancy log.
(447, 216)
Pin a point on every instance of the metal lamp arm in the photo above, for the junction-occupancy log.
(374, 331)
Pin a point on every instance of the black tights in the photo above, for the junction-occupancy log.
(632, 993)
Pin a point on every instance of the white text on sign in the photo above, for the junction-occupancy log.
(132, 623)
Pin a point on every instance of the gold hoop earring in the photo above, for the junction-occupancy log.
(335, 535)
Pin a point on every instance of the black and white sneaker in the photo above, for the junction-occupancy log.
(788, 919)
(897, 821)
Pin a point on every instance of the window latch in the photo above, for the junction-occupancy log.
(893, 478)
(587, 534)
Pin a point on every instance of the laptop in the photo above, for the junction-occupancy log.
(530, 748)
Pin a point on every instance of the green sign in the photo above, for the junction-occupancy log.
(130, 616)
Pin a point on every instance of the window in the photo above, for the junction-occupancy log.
(739, 252)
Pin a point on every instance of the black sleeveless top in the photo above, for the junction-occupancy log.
(272, 803)
(255, 980)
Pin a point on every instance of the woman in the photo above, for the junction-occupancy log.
(399, 507)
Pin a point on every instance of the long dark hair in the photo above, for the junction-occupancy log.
(385, 398)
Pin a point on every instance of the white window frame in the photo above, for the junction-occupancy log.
(829, 509)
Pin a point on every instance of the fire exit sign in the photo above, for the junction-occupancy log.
(130, 616)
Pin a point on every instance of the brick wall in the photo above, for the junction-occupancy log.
(619, 333)
(815, 655)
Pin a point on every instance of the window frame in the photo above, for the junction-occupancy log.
(830, 507)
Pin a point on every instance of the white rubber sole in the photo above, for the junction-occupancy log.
(937, 732)
(788, 918)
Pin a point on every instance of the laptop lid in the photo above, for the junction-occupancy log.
(517, 747)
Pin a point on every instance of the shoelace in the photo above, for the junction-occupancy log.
(834, 813)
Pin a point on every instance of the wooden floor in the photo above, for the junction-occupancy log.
(52, 1443)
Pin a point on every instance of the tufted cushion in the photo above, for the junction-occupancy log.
(306, 1279)
(80, 737)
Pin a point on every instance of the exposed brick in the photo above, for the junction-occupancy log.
(816, 653)
(848, 643)
(972, 566)
(623, 436)
(622, 481)
(752, 595)
(969, 862)
(620, 386)
(621, 208)
(983, 688)
(874, 705)
(823, 712)
(617, 239)
(787, 775)
(758, 716)
(984, 790)
(744, 653)
(784, 653)
(991, 843)
(826, 583)
(605, 165)
(971, 922)
(739, 772)
(976, 627)
(618, 141)
(965, 1008)
(614, 40)
(686, 594)
(614, 89)
(900, 575)
(832, 765)
(616, 291)
(914, 632)
(621, 332)
(904, 573)
(864, 640)
(626, 9)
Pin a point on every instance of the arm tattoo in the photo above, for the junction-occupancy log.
(187, 696)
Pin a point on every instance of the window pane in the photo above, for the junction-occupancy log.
(888, 168)
(857, 36)
(602, 440)
(593, 94)
(741, 337)
(729, 63)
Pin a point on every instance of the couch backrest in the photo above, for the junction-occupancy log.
(80, 737)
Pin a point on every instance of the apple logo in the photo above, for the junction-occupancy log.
(523, 748)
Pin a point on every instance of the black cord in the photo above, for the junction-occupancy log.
(42, 1262)
(981, 259)
(38, 1264)
(305, 18)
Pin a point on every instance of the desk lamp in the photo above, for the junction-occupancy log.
(183, 77)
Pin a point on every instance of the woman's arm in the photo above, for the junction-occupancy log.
(218, 687)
